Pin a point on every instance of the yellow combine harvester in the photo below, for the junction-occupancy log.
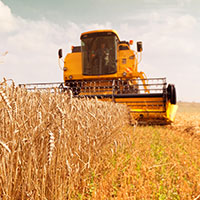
(106, 68)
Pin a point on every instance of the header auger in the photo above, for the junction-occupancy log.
(106, 68)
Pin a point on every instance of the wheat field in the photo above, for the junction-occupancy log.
(49, 142)
(159, 162)
(53, 146)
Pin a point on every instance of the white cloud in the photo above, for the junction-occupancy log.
(7, 21)
(183, 2)
(185, 23)
(33, 45)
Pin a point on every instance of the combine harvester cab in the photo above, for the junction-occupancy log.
(106, 68)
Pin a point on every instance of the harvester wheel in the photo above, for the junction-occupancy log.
(171, 93)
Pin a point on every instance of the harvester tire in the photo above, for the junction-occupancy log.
(171, 93)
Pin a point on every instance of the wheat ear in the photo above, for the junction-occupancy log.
(5, 98)
(51, 146)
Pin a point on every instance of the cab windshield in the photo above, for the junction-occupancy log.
(99, 54)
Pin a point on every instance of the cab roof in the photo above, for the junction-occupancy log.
(100, 31)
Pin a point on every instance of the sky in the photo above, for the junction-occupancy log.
(33, 31)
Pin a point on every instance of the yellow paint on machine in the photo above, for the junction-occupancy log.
(86, 71)
(171, 111)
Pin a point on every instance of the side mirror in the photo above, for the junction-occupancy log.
(60, 53)
(139, 47)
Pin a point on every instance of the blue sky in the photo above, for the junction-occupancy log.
(33, 31)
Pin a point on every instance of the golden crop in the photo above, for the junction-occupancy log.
(49, 142)
(53, 146)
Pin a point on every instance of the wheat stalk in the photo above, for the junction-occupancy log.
(5, 146)
(197, 198)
